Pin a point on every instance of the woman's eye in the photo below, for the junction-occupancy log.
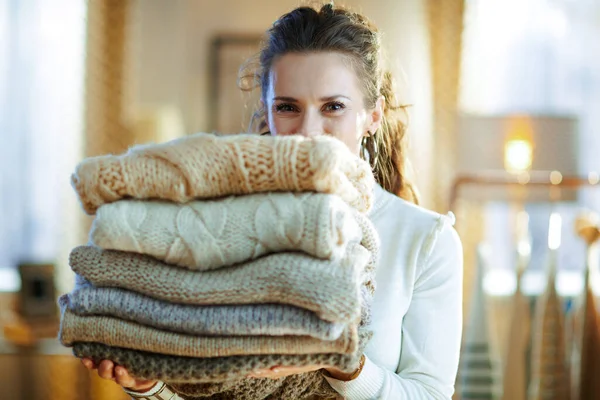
(283, 107)
(335, 106)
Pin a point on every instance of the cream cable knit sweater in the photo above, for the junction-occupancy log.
(204, 235)
(207, 166)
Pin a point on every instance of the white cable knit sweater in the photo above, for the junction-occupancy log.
(417, 309)
(210, 234)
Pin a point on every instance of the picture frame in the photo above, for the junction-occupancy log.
(37, 297)
(231, 109)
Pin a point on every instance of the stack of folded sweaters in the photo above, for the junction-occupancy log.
(212, 257)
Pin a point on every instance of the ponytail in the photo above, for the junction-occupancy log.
(386, 149)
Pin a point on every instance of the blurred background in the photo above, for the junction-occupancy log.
(504, 132)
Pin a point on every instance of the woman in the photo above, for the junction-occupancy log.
(321, 73)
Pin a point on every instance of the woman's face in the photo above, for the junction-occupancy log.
(318, 93)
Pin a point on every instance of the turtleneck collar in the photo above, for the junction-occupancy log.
(381, 198)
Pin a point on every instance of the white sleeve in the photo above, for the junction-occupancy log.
(160, 391)
(431, 331)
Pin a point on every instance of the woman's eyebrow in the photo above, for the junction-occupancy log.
(327, 98)
(337, 96)
(286, 99)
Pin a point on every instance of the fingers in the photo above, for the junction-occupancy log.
(123, 378)
(88, 363)
(106, 370)
(116, 373)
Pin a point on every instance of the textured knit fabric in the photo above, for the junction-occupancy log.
(175, 369)
(204, 235)
(371, 242)
(331, 289)
(117, 332)
(208, 166)
(309, 386)
(238, 320)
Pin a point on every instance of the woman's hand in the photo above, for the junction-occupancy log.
(116, 373)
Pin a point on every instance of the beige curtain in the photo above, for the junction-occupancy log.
(445, 30)
(445, 22)
(105, 128)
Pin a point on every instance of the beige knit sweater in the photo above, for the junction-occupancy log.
(331, 289)
(204, 235)
(207, 166)
(117, 332)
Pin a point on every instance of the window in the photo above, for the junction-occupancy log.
(537, 56)
(41, 104)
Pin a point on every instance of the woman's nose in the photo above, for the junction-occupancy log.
(311, 125)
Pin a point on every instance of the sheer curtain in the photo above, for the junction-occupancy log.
(538, 56)
(41, 100)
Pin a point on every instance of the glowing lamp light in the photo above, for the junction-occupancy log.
(518, 155)
(518, 146)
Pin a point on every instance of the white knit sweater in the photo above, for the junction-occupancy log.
(417, 309)
(211, 234)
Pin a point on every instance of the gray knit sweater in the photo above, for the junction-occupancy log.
(226, 320)
(330, 289)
